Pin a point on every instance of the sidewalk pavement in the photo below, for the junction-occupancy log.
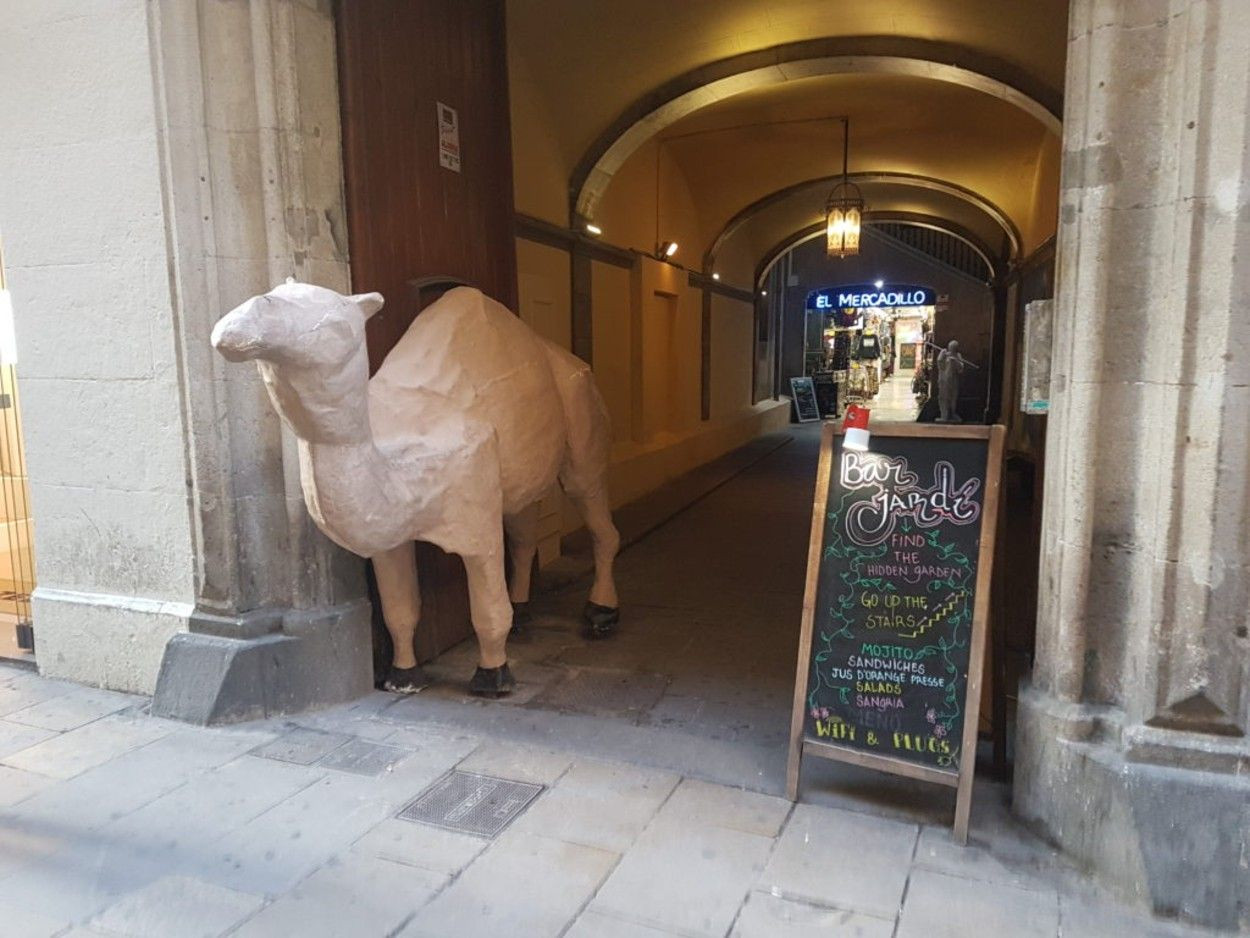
(116, 823)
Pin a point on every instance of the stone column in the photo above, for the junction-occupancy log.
(1132, 750)
(247, 109)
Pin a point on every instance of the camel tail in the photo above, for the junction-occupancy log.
(589, 446)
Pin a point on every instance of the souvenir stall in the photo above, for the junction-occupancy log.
(862, 334)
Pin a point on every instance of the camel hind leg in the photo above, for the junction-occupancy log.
(584, 478)
(522, 536)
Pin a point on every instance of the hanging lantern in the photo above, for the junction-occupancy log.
(844, 210)
(844, 213)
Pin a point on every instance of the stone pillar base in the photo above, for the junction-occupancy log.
(1160, 816)
(265, 663)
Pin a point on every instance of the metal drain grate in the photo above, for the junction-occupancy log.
(471, 803)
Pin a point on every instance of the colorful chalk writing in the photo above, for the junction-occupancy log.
(895, 597)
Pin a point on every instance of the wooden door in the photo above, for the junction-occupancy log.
(408, 217)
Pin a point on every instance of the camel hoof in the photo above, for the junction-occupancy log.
(406, 680)
(492, 682)
(600, 620)
(521, 618)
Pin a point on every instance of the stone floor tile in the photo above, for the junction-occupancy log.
(842, 859)
(16, 922)
(72, 753)
(72, 710)
(178, 907)
(420, 845)
(519, 763)
(942, 906)
(126, 783)
(599, 804)
(364, 757)
(768, 916)
(17, 785)
(14, 737)
(597, 925)
(522, 885)
(19, 690)
(280, 847)
(698, 803)
(685, 878)
(1083, 917)
(301, 746)
(356, 894)
(938, 851)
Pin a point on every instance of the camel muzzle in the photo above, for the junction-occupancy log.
(236, 339)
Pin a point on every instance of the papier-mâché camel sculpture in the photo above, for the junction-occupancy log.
(471, 420)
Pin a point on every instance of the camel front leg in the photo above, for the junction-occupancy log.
(492, 617)
(396, 572)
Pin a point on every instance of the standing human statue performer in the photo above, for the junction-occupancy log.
(950, 365)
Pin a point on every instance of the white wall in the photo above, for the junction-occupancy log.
(85, 251)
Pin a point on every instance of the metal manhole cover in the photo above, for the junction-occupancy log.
(471, 803)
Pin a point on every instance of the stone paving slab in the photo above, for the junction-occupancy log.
(842, 859)
(22, 689)
(177, 907)
(599, 804)
(356, 894)
(70, 711)
(301, 746)
(422, 846)
(16, 785)
(519, 763)
(14, 737)
(522, 885)
(769, 916)
(597, 925)
(699, 804)
(684, 877)
(72, 753)
(15, 921)
(942, 906)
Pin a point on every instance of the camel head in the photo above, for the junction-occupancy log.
(309, 344)
(297, 325)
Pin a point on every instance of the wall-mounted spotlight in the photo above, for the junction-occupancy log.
(593, 228)
(715, 276)
(666, 249)
(763, 293)
(878, 284)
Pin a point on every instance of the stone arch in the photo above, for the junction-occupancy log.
(993, 256)
(716, 81)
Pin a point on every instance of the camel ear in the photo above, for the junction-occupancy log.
(369, 303)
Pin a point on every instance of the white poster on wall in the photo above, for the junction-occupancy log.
(448, 137)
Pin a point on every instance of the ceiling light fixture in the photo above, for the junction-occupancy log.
(844, 209)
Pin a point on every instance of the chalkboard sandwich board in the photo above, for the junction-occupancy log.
(804, 394)
(898, 591)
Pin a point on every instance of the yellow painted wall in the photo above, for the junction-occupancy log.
(732, 349)
(613, 337)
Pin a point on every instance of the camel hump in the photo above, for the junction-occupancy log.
(467, 353)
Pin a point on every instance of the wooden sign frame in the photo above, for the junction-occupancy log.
(961, 780)
(808, 417)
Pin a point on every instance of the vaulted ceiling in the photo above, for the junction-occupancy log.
(954, 108)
